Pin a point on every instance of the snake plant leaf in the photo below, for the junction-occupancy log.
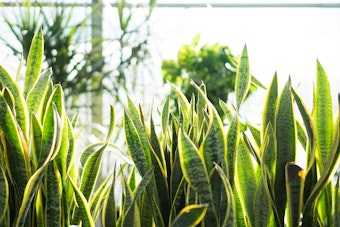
(269, 110)
(286, 146)
(323, 121)
(72, 152)
(17, 155)
(337, 201)
(112, 123)
(323, 116)
(326, 175)
(131, 215)
(109, 212)
(214, 143)
(243, 78)
(147, 218)
(302, 137)
(165, 116)
(135, 146)
(48, 141)
(230, 215)
(269, 153)
(262, 203)
(240, 215)
(39, 209)
(202, 103)
(37, 129)
(21, 111)
(160, 173)
(37, 95)
(136, 117)
(195, 173)
(83, 208)
(245, 179)
(227, 110)
(256, 134)
(294, 185)
(233, 135)
(90, 172)
(308, 123)
(53, 212)
(35, 180)
(253, 149)
(4, 194)
(184, 107)
(99, 197)
(132, 181)
(190, 215)
(34, 61)
(61, 158)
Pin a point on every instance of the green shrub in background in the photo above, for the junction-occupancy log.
(214, 65)
(191, 170)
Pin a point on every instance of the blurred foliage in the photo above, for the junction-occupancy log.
(66, 42)
(215, 65)
(75, 57)
(130, 46)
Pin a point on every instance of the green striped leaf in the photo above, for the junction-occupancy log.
(48, 141)
(226, 110)
(195, 173)
(230, 215)
(184, 107)
(337, 202)
(165, 115)
(37, 129)
(4, 194)
(160, 173)
(243, 78)
(21, 112)
(269, 153)
(233, 135)
(269, 110)
(53, 212)
(61, 158)
(109, 212)
(16, 152)
(99, 197)
(262, 203)
(294, 185)
(112, 123)
(307, 120)
(245, 179)
(90, 172)
(214, 143)
(34, 61)
(190, 215)
(323, 116)
(286, 146)
(137, 117)
(35, 180)
(37, 95)
(83, 208)
(325, 177)
(135, 145)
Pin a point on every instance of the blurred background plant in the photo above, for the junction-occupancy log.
(74, 45)
(214, 64)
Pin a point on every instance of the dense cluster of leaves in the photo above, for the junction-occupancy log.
(192, 170)
(41, 182)
(214, 65)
